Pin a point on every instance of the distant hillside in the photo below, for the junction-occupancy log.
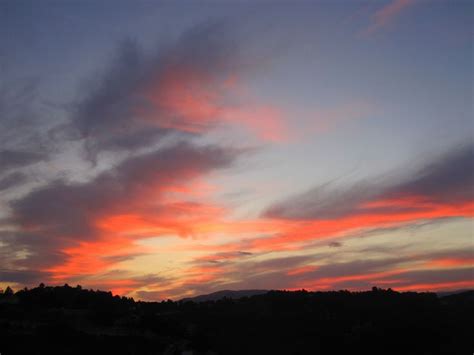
(225, 294)
(450, 293)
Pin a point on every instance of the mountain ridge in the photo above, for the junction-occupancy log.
(232, 294)
(236, 294)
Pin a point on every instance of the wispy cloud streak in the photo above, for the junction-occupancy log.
(386, 15)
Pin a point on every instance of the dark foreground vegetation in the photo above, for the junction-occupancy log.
(70, 320)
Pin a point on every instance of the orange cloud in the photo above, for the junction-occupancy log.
(117, 287)
(117, 234)
(406, 210)
(330, 282)
(302, 270)
(145, 196)
(91, 257)
(451, 262)
(287, 235)
(441, 286)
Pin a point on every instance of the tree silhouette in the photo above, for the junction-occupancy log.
(74, 320)
(8, 292)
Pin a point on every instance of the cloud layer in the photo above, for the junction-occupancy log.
(448, 182)
(136, 183)
(185, 88)
(81, 226)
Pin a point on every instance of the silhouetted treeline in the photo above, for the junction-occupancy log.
(71, 320)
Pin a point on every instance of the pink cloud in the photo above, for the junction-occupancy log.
(192, 101)
(385, 15)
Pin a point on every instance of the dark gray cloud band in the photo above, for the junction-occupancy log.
(448, 180)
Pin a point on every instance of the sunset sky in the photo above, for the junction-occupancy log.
(168, 149)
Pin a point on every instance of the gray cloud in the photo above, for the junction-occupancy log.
(357, 267)
(222, 257)
(14, 159)
(12, 180)
(114, 113)
(21, 140)
(448, 180)
(62, 208)
(28, 277)
(41, 251)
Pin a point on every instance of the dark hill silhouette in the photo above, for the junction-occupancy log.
(236, 294)
(72, 320)
(449, 293)
(225, 294)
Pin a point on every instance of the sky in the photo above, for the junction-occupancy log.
(172, 148)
